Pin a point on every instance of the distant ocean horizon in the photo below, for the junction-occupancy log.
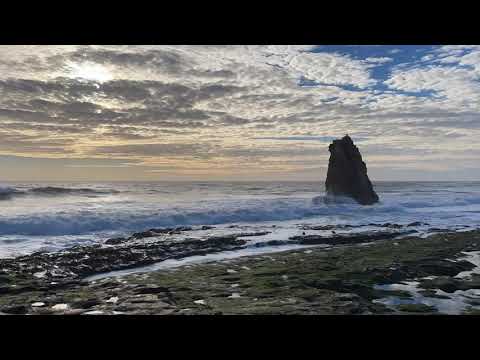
(56, 215)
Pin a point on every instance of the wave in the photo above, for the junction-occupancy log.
(335, 200)
(7, 193)
(124, 218)
(52, 190)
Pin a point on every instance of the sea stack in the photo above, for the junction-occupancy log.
(347, 173)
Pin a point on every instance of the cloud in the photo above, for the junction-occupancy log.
(333, 69)
(153, 149)
(323, 139)
(455, 87)
(379, 60)
(394, 51)
(232, 108)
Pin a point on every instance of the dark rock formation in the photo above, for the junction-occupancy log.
(347, 173)
(348, 239)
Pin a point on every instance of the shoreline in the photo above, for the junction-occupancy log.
(347, 274)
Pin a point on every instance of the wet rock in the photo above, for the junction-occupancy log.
(447, 284)
(4, 279)
(347, 238)
(72, 264)
(273, 243)
(220, 238)
(346, 296)
(144, 234)
(184, 228)
(328, 227)
(206, 227)
(320, 227)
(474, 302)
(394, 226)
(161, 230)
(15, 309)
(115, 241)
(86, 304)
(151, 290)
(442, 267)
(347, 173)
(417, 223)
(437, 230)
(387, 225)
(144, 298)
(416, 308)
(257, 233)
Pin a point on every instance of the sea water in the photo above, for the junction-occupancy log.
(54, 216)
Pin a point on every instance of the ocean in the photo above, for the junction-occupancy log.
(55, 216)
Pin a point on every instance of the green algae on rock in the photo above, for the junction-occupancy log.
(336, 280)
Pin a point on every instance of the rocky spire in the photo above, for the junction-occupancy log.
(347, 173)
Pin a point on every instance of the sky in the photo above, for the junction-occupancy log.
(236, 112)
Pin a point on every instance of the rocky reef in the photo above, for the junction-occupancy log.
(354, 278)
(347, 173)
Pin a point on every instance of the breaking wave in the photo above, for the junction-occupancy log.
(7, 193)
(126, 218)
(52, 190)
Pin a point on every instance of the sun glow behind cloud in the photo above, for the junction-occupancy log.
(88, 71)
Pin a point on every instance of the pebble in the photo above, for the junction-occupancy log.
(74, 312)
(285, 277)
(60, 307)
(231, 271)
(200, 302)
(234, 296)
(94, 312)
(235, 285)
(40, 274)
(112, 300)
(245, 268)
(38, 304)
(308, 252)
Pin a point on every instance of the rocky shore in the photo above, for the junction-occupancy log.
(369, 272)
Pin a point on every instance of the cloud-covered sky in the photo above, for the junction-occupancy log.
(237, 112)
